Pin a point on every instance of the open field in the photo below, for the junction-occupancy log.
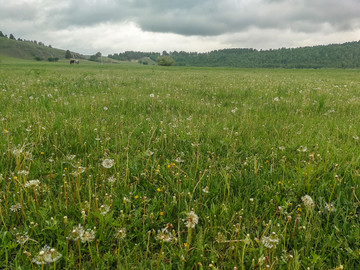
(139, 167)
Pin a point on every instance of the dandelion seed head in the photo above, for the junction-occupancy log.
(16, 207)
(330, 207)
(308, 202)
(164, 235)
(191, 220)
(270, 241)
(104, 209)
(112, 179)
(32, 183)
(22, 238)
(88, 236)
(107, 163)
(120, 234)
(76, 233)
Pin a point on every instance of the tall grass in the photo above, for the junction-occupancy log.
(178, 168)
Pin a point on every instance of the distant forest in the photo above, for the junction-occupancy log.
(345, 55)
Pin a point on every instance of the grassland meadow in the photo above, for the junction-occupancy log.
(146, 167)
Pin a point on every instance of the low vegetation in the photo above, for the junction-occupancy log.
(148, 167)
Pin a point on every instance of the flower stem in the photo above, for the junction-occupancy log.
(78, 242)
(160, 256)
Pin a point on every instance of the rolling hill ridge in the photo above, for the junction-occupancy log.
(30, 50)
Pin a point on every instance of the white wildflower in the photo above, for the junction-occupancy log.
(206, 189)
(71, 157)
(149, 153)
(179, 160)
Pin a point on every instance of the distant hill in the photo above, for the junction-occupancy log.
(30, 50)
(346, 55)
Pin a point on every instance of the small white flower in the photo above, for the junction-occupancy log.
(179, 160)
(149, 153)
(206, 189)
(152, 95)
(71, 157)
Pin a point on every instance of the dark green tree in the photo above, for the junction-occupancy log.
(165, 61)
(12, 36)
(68, 54)
(1, 34)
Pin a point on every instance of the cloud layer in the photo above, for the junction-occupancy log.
(216, 23)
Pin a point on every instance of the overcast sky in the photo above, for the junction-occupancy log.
(113, 26)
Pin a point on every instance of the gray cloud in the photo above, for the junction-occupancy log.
(212, 21)
(188, 17)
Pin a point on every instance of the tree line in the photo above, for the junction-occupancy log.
(11, 36)
(346, 55)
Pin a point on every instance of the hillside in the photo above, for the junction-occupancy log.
(345, 55)
(29, 50)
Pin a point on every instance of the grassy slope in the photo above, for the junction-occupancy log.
(27, 50)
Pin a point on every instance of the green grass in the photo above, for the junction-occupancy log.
(28, 50)
(241, 148)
